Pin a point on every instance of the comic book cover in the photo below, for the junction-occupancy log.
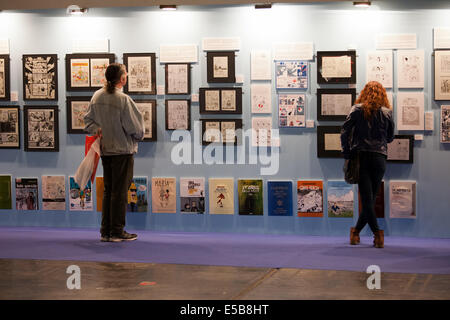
(192, 195)
(5, 192)
(310, 198)
(137, 195)
(27, 192)
(80, 200)
(53, 193)
(280, 198)
(402, 197)
(250, 194)
(164, 195)
(340, 199)
(221, 196)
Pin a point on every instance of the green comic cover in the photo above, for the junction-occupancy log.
(250, 197)
(5, 192)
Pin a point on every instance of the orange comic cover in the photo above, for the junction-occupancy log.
(310, 198)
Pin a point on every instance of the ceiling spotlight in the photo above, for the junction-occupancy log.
(170, 7)
(263, 6)
(361, 4)
(75, 10)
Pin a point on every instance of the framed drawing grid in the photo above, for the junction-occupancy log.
(291, 110)
(220, 100)
(220, 67)
(148, 110)
(445, 124)
(41, 131)
(329, 142)
(9, 127)
(86, 71)
(401, 149)
(221, 131)
(76, 109)
(291, 74)
(5, 93)
(40, 77)
(178, 78)
(334, 104)
(141, 68)
(178, 114)
(336, 67)
(442, 75)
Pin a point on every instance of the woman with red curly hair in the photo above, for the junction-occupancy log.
(368, 129)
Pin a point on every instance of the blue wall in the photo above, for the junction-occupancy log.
(330, 26)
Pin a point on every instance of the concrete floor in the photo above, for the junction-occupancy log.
(46, 280)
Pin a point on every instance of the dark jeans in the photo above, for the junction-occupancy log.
(117, 177)
(371, 172)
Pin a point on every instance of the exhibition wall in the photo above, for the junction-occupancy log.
(329, 26)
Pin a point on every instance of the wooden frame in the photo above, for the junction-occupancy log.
(441, 81)
(328, 137)
(40, 79)
(80, 78)
(41, 128)
(178, 111)
(76, 115)
(9, 127)
(408, 149)
(218, 101)
(332, 79)
(333, 117)
(184, 72)
(5, 79)
(140, 81)
(237, 126)
(220, 67)
(148, 110)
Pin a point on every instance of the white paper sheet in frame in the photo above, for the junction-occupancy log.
(379, 67)
(445, 124)
(441, 38)
(261, 131)
(402, 199)
(410, 68)
(442, 75)
(396, 41)
(261, 98)
(178, 53)
(260, 66)
(410, 111)
(221, 196)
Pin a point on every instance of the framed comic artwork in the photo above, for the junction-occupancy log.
(148, 110)
(86, 71)
(291, 110)
(178, 78)
(9, 127)
(141, 69)
(291, 74)
(178, 114)
(329, 142)
(40, 77)
(336, 67)
(220, 100)
(220, 67)
(401, 149)
(225, 131)
(442, 75)
(41, 131)
(334, 104)
(76, 109)
(5, 93)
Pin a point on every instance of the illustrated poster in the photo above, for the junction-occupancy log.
(27, 194)
(280, 198)
(340, 199)
(221, 196)
(291, 74)
(310, 198)
(40, 77)
(98, 68)
(79, 70)
(137, 195)
(53, 193)
(164, 195)
(79, 110)
(291, 110)
(250, 194)
(80, 200)
(41, 129)
(402, 198)
(139, 74)
(192, 195)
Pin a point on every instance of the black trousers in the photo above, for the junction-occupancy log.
(117, 177)
(371, 172)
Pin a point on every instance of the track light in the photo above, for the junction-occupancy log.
(170, 7)
(362, 4)
(75, 10)
(263, 6)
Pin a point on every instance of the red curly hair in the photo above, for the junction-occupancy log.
(372, 98)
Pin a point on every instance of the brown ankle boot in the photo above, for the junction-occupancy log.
(354, 236)
(378, 239)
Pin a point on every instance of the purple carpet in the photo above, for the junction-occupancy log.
(403, 255)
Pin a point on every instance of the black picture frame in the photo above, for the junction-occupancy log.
(410, 143)
(321, 92)
(9, 129)
(220, 108)
(70, 100)
(323, 54)
(187, 79)
(85, 57)
(214, 74)
(237, 126)
(322, 132)
(37, 122)
(5, 83)
(187, 115)
(151, 77)
(35, 71)
(150, 104)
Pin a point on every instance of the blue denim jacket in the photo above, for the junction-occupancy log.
(359, 134)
